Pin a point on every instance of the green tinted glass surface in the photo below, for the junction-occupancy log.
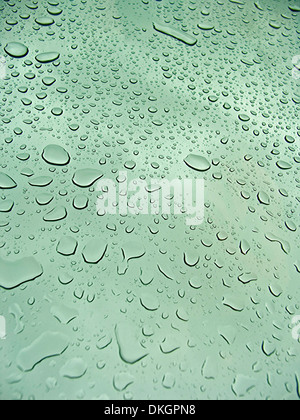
(107, 305)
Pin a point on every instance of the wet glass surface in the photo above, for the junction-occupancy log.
(135, 297)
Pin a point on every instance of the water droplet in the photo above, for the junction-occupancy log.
(57, 112)
(291, 225)
(289, 139)
(65, 278)
(285, 246)
(6, 206)
(205, 26)
(199, 163)
(122, 381)
(15, 273)
(244, 117)
(133, 250)
(283, 165)
(209, 368)
(294, 8)
(80, 202)
(191, 258)
(55, 155)
(169, 345)
(44, 21)
(53, 10)
(182, 315)
(195, 282)
(47, 57)
(16, 49)
(246, 278)
(74, 368)
(6, 182)
(149, 302)
(44, 199)
(94, 251)
(175, 33)
(48, 81)
(263, 198)
(268, 348)
(244, 247)
(104, 342)
(85, 178)
(130, 165)
(242, 385)
(129, 349)
(67, 246)
(56, 214)
(49, 344)
(41, 181)
(168, 381)
(234, 302)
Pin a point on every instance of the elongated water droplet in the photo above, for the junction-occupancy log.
(15, 273)
(56, 214)
(199, 163)
(16, 49)
(49, 344)
(175, 33)
(44, 21)
(85, 178)
(47, 57)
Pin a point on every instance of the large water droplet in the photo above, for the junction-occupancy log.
(16, 49)
(67, 246)
(15, 273)
(55, 155)
(129, 348)
(94, 251)
(47, 57)
(85, 178)
(44, 21)
(149, 302)
(283, 165)
(6, 182)
(199, 163)
(263, 198)
(6, 206)
(175, 33)
(49, 344)
(41, 181)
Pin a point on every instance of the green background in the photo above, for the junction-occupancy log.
(207, 312)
